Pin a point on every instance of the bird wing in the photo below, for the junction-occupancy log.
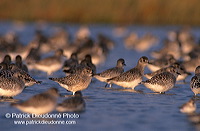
(70, 80)
(161, 78)
(113, 72)
(195, 82)
(130, 75)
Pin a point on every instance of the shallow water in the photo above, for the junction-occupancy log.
(106, 109)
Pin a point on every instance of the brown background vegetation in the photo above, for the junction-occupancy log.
(156, 12)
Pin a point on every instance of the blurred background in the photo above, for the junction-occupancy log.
(150, 12)
(165, 31)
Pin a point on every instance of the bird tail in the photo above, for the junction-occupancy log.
(38, 82)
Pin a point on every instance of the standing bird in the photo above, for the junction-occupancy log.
(10, 84)
(132, 77)
(181, 70)
(195, 81)
(74, 104)
(162, 82)
(75, 82)
(50, 64)
(112, 72)
(39, 104)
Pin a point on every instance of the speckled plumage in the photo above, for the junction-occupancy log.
(75, 82)
(73, 104)
(162, 82)
(112, 72)
(195, 82)
(29, 81)
(163, 62)
(40, 103)
(182, 71)
(132, 77)
(11, 85)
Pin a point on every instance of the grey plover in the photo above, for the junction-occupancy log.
(33, 56)
(132, 77)
(39, 104)
(51, 64)
(74, 104)
(88, 61)
(183, 73)
(75, 82)
(29, 81)
(7, 60)
(162, 82)
(11, 84)
(79, 67)
(195, 82)
(181, 70)
(188, 107)
(20, 64)
(71, 63)
(112, 72)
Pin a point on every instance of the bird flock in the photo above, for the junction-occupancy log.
(79, 58)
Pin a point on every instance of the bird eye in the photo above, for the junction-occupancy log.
(88, 71)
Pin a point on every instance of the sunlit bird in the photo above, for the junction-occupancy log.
(112, 72)
(10, 84)
(132, 77)
(195, 82)
(75, 82)
(28, 80)
(162, 82)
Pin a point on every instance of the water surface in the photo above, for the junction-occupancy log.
(108, 109)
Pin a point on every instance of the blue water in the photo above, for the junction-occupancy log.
(107, 109)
